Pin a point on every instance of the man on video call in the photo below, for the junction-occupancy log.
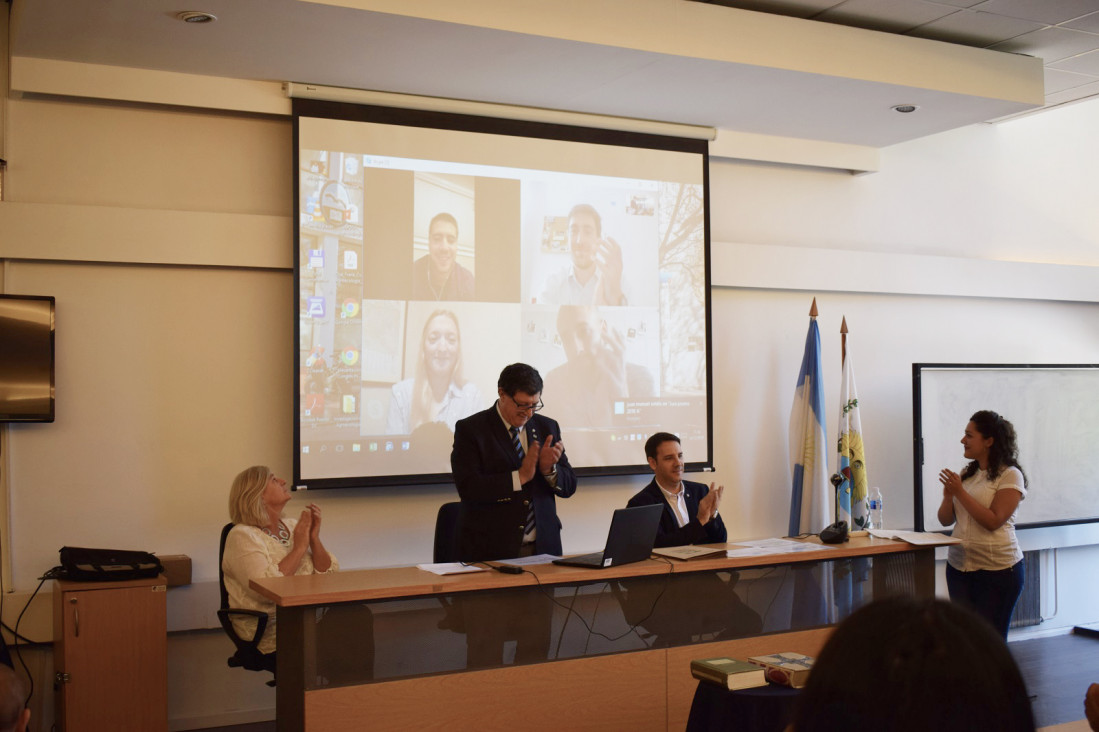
(595, 275)
(437, 275)
(509, 467)
(596, 373)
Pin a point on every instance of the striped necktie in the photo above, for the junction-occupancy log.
(518, 445)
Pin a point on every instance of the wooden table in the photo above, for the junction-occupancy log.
(617, 680)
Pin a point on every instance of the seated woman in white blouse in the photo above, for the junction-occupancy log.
(265, 544)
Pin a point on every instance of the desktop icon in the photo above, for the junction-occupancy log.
(350, 308)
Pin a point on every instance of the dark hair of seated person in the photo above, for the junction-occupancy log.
(907, 665)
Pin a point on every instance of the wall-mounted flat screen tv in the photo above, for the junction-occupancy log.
(26, 358)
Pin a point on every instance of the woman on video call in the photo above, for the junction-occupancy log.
(437, 392)
(985, 571)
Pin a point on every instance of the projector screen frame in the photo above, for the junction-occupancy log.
(508, 127)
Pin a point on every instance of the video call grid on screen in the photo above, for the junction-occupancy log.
(588, 260)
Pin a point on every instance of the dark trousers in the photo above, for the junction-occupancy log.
(990, 593)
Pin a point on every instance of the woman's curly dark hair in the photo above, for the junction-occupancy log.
(1004, 452)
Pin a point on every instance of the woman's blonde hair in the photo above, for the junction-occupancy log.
(246, 504)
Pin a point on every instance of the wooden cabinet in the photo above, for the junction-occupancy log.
(110, 653)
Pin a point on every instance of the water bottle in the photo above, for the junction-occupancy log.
(874, 519)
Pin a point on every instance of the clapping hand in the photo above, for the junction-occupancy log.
(315, 517)
(548, 455)
(609, 255)
(303, 531)
(530, 462)
(952, 482)
(707, 507)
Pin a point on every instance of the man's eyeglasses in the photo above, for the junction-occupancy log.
(527, 407)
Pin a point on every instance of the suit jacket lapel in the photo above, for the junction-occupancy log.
(667, 518)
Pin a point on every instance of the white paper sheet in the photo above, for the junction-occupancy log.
(449, 568)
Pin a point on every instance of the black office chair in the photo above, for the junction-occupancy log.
(247, 655)
(447, 522)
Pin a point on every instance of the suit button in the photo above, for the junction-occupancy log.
(526, 503)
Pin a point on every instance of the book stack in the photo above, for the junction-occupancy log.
(728, 672)
(788, 669)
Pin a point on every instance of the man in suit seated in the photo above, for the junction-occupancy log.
(509, 467)
(690, 509)
(690, 517)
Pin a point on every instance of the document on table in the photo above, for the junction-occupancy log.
(449, 568)
(528, 561)
(919, 538)
(763, 547)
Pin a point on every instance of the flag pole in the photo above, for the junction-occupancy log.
(843, 360)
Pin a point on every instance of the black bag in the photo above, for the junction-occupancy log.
(103, 565)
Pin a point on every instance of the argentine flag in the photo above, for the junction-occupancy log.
(812, 490)
(852, 456)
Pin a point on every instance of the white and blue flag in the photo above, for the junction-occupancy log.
(811, 495)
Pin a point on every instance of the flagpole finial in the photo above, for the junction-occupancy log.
(813, 309)
(843, 341)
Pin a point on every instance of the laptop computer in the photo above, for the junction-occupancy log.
(631, 537)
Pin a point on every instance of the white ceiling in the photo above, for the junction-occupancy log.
(805, 76)
(1063, 33)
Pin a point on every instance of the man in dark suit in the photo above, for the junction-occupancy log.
(509, 466)
(690, 509)
(671, 611)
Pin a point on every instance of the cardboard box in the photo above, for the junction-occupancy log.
(177, 569)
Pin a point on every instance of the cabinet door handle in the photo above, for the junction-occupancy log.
(76, 618)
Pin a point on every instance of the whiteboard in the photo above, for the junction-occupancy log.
(1055, 410)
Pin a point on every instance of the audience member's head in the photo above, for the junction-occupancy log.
(13, 695)
(908, 665)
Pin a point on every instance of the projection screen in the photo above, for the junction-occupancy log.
(434, 249)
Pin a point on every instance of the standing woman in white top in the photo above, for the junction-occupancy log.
(985, 571)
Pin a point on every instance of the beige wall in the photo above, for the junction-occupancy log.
(173, 368)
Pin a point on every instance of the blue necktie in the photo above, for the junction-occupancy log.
(518, 445)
